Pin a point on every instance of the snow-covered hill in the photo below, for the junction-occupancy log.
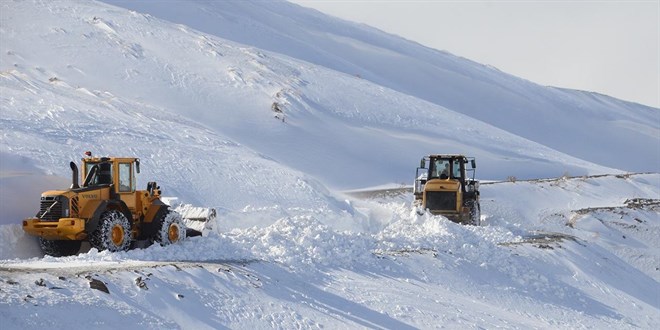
(90, 76)
(574, 122)
(264, 110)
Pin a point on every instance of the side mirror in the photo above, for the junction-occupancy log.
(137, 166)
(422, 163)
(474, 163)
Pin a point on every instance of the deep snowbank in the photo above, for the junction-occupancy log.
(511, 211)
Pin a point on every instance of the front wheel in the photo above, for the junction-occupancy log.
(59, 248)
(170, 229)
(475, 213)
(113, 232)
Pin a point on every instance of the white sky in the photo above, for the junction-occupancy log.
(610, 47)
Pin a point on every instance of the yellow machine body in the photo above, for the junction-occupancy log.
(442, 187)
(68, 214)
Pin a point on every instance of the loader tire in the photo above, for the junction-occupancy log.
(59, 248)
(170, 229)
(113, 232)
(475, 213)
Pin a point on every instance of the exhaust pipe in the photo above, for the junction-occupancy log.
(74, 177)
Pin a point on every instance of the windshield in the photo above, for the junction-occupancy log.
(103, 174)
(439, 168)
(88, 170)
(446, 168)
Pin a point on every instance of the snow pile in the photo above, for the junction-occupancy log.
(193, 217)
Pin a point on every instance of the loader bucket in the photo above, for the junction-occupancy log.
(196, 218)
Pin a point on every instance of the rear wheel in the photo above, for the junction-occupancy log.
(59, 248)
(170, 229)
(113, 232)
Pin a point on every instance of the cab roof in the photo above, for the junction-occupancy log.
(446, 156)
(110, 159)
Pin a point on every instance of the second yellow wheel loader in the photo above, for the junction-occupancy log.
(442, 186)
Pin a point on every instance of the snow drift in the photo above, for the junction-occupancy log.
(552, 255)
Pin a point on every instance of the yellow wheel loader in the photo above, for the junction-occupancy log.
(107, 210)
(443, 187)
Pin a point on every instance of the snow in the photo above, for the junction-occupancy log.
(256, 109)
(401, 271)
(569, 121)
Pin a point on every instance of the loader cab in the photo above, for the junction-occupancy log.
(444, 167)
(447, 168)
(119, 172)
(455, 167)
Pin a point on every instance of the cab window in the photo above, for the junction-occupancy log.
(125, 179)
(457, 168)
(103, 173)
(88, 168)
(440, 168)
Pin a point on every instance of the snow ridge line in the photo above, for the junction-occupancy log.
(390, 192)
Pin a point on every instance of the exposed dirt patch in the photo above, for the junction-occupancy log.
(646, 204)
(544, 240)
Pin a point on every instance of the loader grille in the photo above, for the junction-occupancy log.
(441, 200)
(51, 208)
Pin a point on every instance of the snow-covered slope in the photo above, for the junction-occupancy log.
(259, 134)
(574, 122)
(91, 76)
(565, 253)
